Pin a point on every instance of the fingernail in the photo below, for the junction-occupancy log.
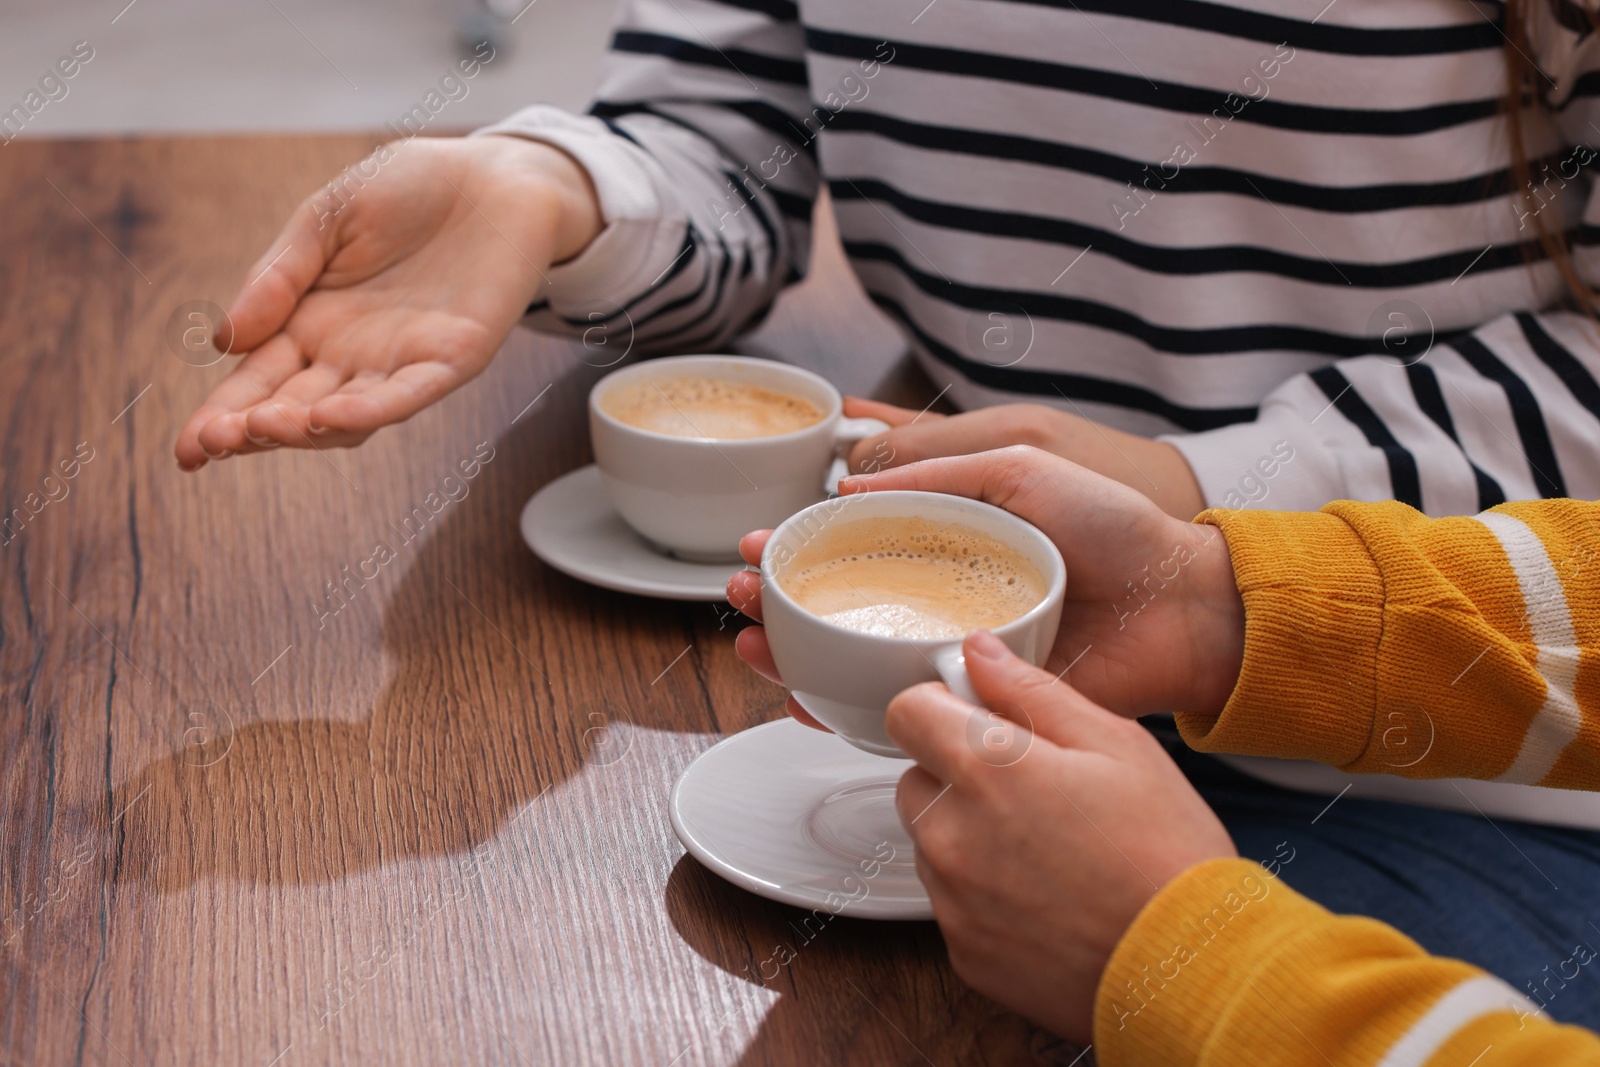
(986, 645)
(261, 442)
(852, 483)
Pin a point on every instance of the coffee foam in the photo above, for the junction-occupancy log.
(707, 407)
(911, 578)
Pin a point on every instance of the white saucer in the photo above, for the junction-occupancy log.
(571, 526)
(800, 817)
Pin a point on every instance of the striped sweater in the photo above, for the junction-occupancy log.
(1227, 965)
(1287, 225)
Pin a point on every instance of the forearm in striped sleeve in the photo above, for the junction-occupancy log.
(1510, 411)
(1364, 615)
(700, 145)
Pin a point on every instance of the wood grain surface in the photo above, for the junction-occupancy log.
(429, 828)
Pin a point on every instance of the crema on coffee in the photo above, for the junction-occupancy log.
(709, 407)
(911, 578)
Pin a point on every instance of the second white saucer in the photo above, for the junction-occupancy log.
(798, 816)
(571, 526)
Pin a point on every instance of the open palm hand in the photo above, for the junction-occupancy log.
(379, 299)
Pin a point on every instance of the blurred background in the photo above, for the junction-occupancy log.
(194, 67)
(200, 66)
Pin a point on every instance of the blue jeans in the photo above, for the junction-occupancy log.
(1513, 898)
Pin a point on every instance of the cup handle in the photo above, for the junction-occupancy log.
(846, 433)
(952, 667)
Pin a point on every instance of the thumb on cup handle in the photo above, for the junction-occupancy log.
(850, 431)
(952, 667)
(846, 434)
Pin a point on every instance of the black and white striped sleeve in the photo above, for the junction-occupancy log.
(702, 155)
(1510, 411)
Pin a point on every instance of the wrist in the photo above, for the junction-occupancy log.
(567, 192)
(1155, 468)
(1179, 494)
(1216, 625)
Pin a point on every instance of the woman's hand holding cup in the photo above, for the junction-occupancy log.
(1042, 821)
(1038, 854)
(1153, 620)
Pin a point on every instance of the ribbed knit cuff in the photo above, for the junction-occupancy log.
(1181, 964)
(1313, 601)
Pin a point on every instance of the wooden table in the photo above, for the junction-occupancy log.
(428, 829)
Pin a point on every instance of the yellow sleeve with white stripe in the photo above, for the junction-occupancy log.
(1227, 966)
(1489, 626)
(1363, 615)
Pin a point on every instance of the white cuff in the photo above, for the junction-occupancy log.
(644, 225)
(1276, 463)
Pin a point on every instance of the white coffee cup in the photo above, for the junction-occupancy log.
(846, 678)
(695, 496)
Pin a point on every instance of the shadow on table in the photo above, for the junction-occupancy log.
(502, 670)
(849, 990)
(485, 703)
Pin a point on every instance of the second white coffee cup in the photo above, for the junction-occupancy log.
(846, 678)
(695, 497)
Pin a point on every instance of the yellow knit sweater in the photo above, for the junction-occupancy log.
(1490, 626)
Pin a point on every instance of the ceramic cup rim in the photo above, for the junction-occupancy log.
(1055, 591)
(834, 409)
